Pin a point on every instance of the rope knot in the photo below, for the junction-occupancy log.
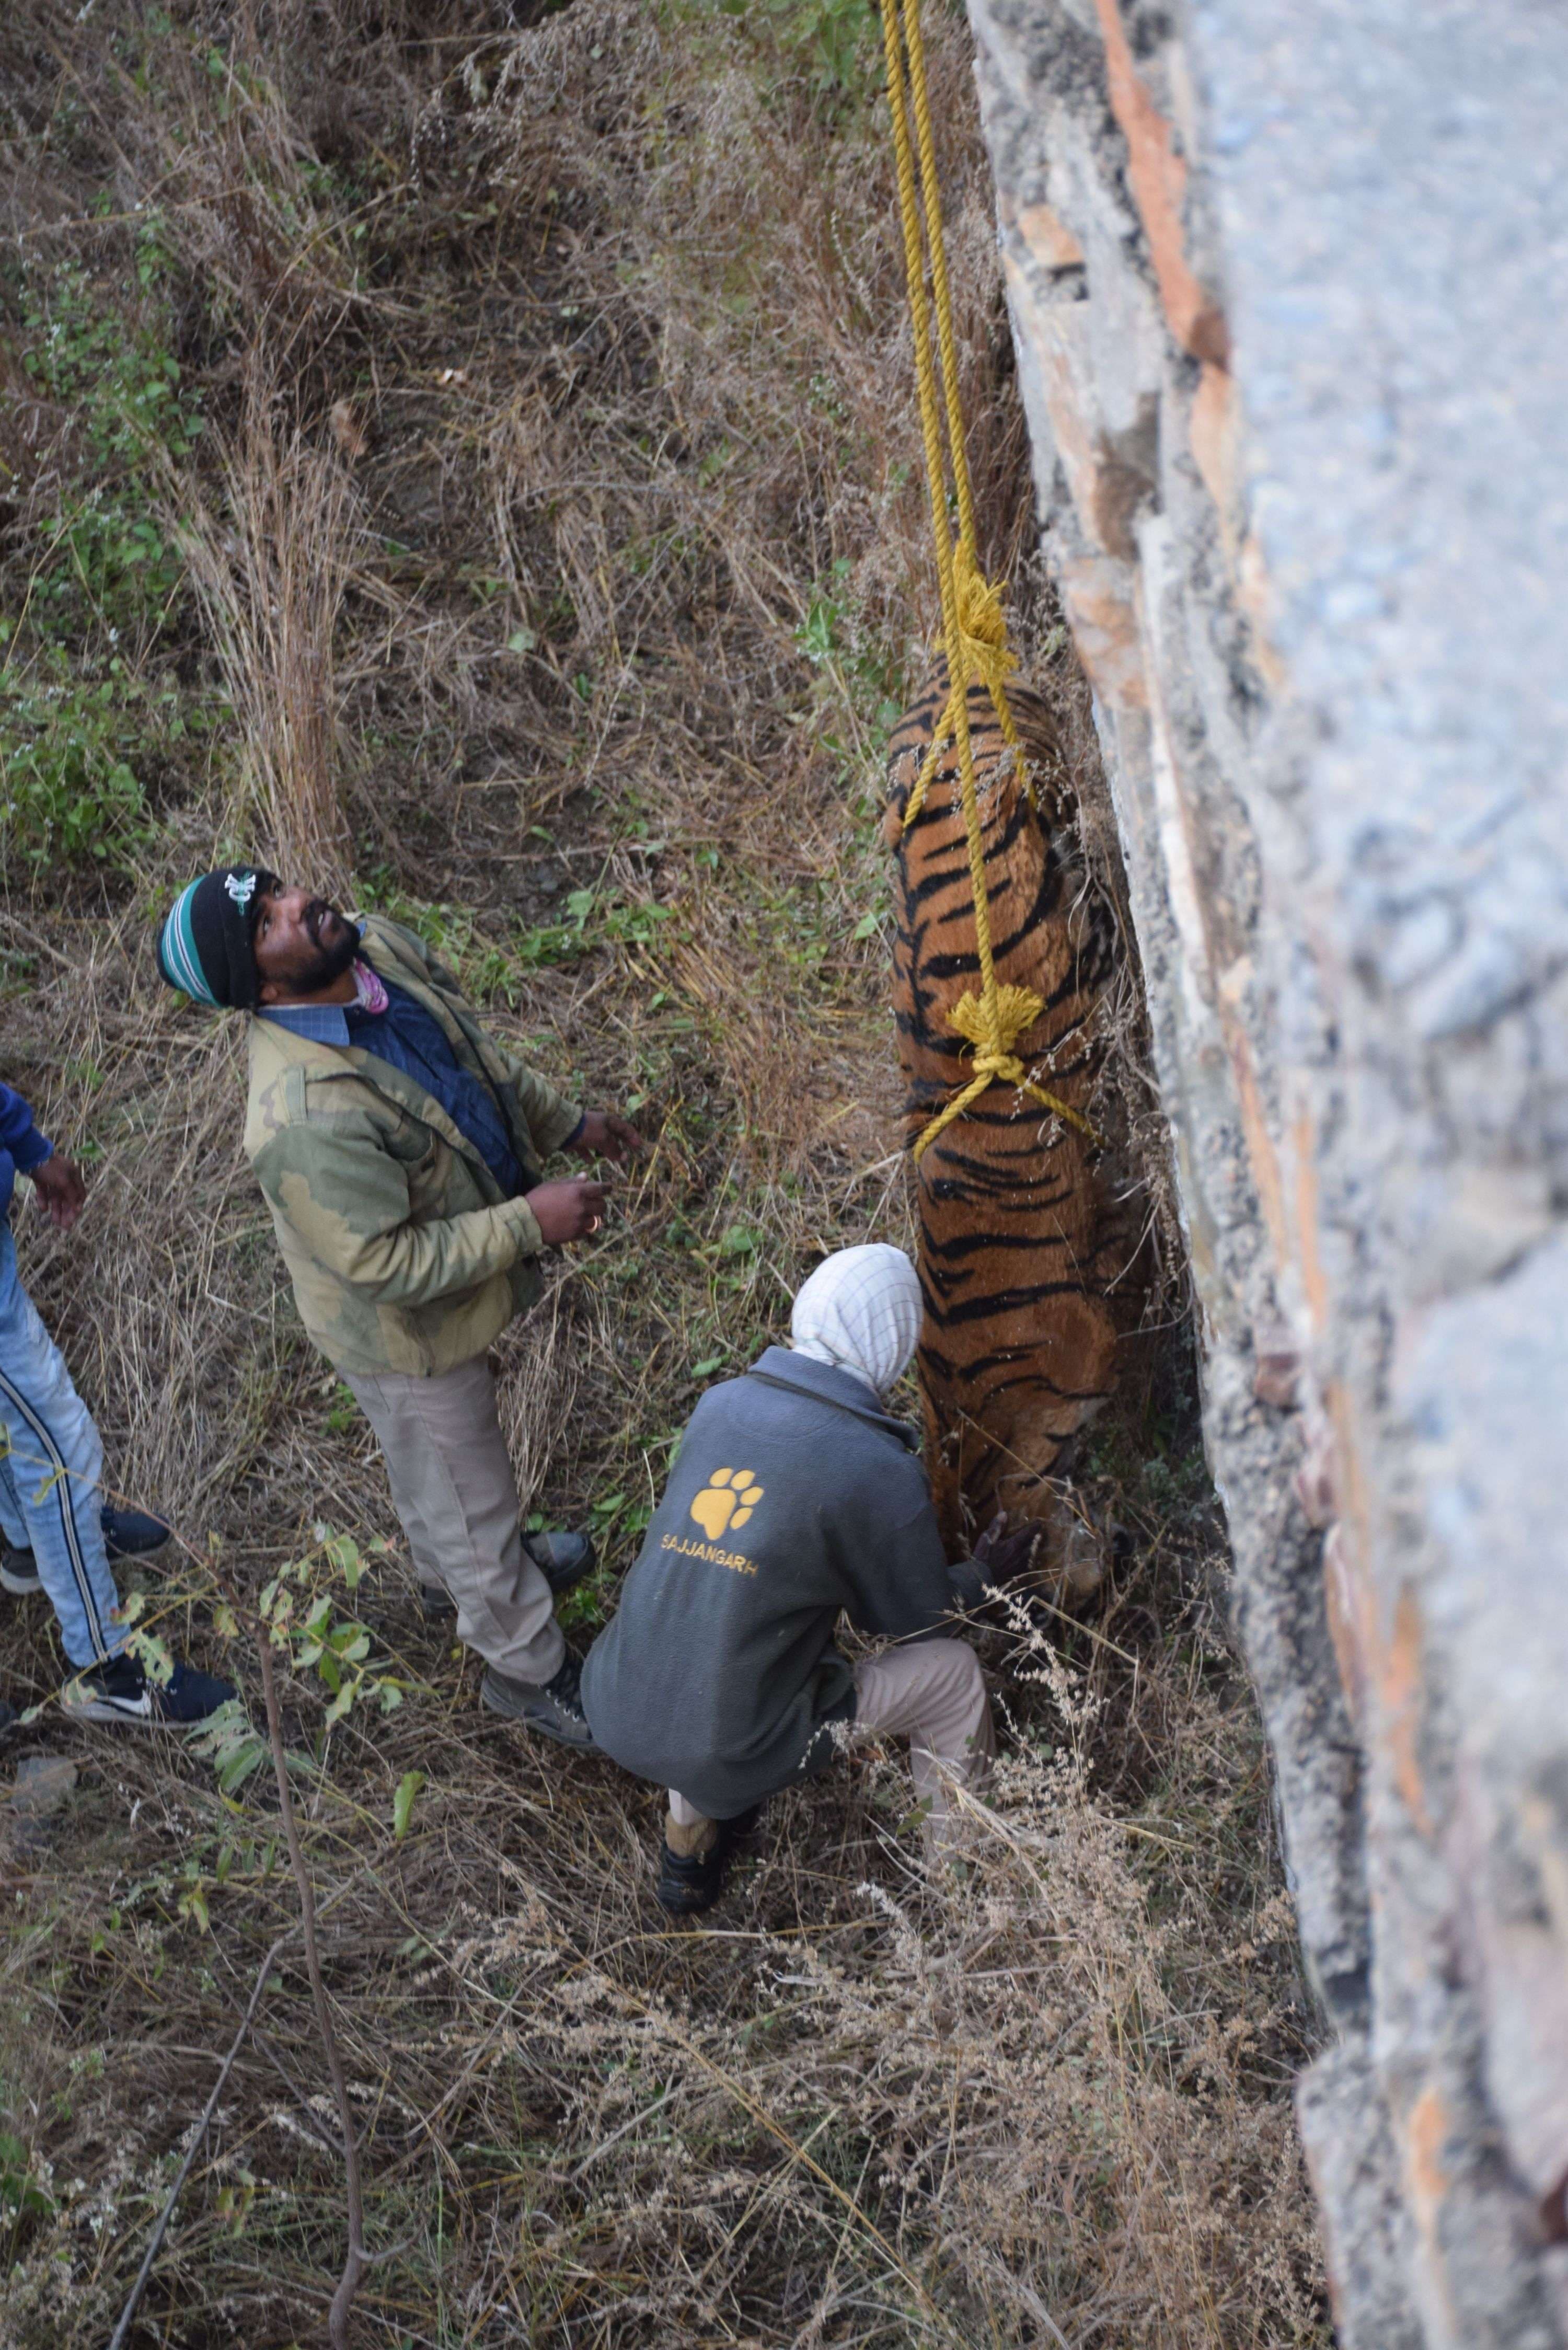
(992, 1023)
(994, 1026)
(981, 623)
(982, 655)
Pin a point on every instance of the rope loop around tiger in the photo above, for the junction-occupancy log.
(1017, 1008)
(987, 655)
(974, 626)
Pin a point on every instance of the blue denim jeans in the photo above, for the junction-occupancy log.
(50, 1477)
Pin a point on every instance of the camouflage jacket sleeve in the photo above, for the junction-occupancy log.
(549, 1116)
(346, 1198)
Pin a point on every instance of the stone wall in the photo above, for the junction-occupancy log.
(1289, 290)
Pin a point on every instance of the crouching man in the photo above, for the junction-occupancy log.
(794, 1497)
(399, 1150)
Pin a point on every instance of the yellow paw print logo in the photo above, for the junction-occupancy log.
(726, 1502)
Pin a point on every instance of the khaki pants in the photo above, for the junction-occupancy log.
(934, 1691)
(455, 1490)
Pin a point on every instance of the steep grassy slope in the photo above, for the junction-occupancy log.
(557, 378)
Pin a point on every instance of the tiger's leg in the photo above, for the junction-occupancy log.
(1022, 1469)
(941, 1457)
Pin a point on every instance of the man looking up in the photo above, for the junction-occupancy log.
(399, 1150)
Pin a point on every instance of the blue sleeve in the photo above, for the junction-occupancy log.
(19, 1134)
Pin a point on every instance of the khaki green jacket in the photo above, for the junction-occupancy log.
(404, 1254)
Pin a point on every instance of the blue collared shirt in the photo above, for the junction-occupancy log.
(411, 1039)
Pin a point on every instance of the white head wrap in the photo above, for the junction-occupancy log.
(860, 1311)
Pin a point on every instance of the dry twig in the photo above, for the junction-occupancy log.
(133, 2299)
(354, 2260)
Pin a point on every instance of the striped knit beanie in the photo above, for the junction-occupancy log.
(204, 946)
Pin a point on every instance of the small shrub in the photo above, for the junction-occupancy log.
(22, 2196)
(491, 970)
(108, 560)
(68, 790)
(830, 38)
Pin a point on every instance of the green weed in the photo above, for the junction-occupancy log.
(832, 40)
(494, 970)
(68, 790)
(104, 578)
(862, 689)
(22, 2196)
(108, 561)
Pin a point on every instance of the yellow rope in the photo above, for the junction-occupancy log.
(931, 191)
(975, 629)
(983, 632)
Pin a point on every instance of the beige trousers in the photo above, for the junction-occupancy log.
(933, 1691)
(454, 1488)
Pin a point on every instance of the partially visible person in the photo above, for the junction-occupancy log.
(796, 1498)
(401, 1150)
(58, 1537)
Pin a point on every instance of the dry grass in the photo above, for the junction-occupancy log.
(630, 565)
(270, 575)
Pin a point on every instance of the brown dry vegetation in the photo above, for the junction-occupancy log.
(551, 553)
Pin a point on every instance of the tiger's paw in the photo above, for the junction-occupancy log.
(726, 1502)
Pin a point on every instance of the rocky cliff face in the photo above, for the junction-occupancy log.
(1289, 290)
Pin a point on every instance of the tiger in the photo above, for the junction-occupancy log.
(1022, 1243)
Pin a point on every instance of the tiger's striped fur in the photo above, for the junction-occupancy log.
(1021, 1241)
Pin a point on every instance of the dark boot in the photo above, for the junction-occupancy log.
(552, 1708)
(18, 1572)
(563, 1559)
(690, 1882)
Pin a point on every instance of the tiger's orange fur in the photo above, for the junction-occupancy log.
(1022, 1242)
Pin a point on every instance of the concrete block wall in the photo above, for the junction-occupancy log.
(1290, 291)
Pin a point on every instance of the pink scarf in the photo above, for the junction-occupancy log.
(368, 992)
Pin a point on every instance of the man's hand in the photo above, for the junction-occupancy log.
(605, 1136)
(61, 1187)
(571, 1211)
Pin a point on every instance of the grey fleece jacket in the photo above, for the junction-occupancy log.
(794, 1496)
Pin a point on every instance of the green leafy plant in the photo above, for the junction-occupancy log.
(234, 2204)
(108, 560)
(298, 1610)
(833, 637)
(409, 1787)
(68, 793)
(231, 1744)
(835, 36)
(22, 2196)
(105, 578)
(491, 969)
(831, 38)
